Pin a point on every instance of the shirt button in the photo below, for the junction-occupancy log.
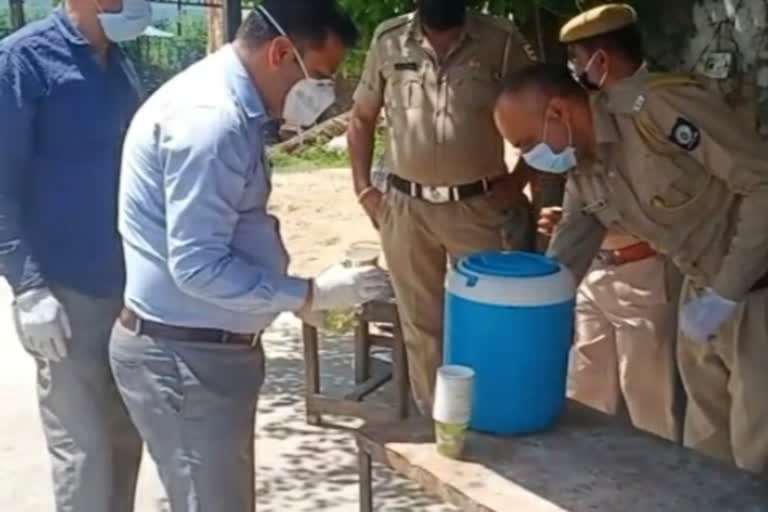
(658, 202)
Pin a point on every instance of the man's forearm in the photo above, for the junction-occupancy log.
(361, 140)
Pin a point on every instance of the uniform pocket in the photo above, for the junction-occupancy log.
(641, 283)
(404, 91)
(474, 90)
(382, 209)
(668, 188)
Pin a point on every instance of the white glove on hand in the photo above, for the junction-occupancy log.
(344, 287)
(701, 317)
(42, 324)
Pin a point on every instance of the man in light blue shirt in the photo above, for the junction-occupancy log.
(206, 266)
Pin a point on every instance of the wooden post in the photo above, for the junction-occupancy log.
(216, 38)
(366, 479)
(17, 14)
(311, 370)
(362, 349)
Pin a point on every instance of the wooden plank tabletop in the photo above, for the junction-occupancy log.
(587, 464)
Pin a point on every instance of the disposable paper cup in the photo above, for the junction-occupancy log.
(452, 408)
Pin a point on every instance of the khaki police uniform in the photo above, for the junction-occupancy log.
(676, 168)
(441, 132)
(623, 357)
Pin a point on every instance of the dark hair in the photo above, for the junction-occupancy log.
(307, 22)
(627, 41)
(548, 79)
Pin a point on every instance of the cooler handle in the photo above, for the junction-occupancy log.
(471, 279)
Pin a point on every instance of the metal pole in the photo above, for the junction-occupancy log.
(234, 17)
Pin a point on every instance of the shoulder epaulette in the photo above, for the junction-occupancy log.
(392, 24)
(651, 134)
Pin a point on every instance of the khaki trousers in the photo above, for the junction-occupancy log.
(623, 354)
(726, 381)
(418, 238)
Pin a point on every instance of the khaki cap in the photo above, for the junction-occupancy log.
(597, 21)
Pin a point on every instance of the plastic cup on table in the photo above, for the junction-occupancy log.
(452, 408)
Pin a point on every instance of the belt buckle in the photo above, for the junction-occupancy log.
(436, 195)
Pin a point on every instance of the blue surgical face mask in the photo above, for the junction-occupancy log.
(544, 159)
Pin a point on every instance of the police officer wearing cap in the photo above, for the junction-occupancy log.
(436, 73)
(662, 158)
(626, 314)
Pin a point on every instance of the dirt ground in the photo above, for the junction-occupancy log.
(319, 217)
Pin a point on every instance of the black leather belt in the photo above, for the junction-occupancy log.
(440, 194)
(140, 327)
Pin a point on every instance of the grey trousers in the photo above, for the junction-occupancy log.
(195, 406)
(95, 450)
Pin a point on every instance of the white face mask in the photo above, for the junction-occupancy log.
(127, 24)
(544, 159)
(309, 97)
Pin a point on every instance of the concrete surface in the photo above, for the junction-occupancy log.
(300, 468)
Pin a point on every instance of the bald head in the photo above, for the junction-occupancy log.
(543, 103)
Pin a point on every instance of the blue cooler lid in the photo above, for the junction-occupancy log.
(507, 278)
(510, 264)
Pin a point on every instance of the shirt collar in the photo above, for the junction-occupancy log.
(67, 29)
(240, 82)
(624, 97)
(472, 30)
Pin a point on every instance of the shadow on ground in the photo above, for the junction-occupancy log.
(304, 468)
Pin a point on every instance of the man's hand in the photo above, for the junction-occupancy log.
(549, 218)
(701, 317)
(371, 201)
(344, 287)
(42, 324)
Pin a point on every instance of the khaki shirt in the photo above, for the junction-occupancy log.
(440, 114)
(696, 188)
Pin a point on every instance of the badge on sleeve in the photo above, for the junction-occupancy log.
(685, 135)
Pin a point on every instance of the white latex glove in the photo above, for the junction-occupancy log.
(42, 324)
(344, 287)
(701, 317)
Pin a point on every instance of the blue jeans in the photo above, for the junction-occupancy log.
(95, 449)
(195, 407)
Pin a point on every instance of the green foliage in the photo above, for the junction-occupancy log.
(665, 41)
(316, 156)
(158, 59)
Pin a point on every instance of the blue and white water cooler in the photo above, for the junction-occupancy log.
(509, 316)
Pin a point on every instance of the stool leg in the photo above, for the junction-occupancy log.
(401, 386)
(311, 371)
(362, 350)
(366, 480)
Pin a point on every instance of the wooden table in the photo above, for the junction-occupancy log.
(587, 464)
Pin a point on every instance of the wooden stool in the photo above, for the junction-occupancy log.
(383, 317)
